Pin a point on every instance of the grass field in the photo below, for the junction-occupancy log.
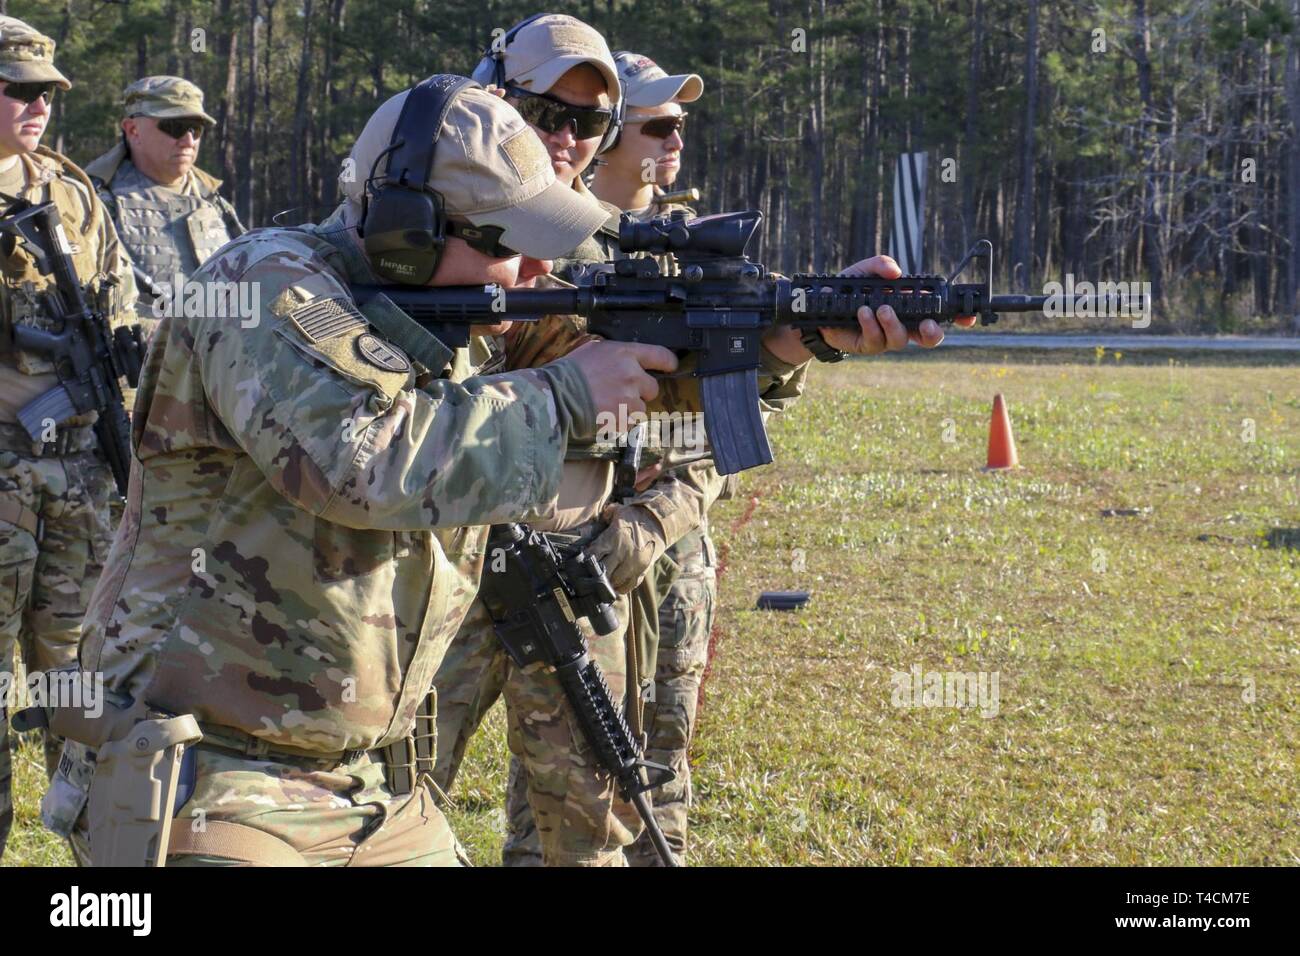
(1148, 666)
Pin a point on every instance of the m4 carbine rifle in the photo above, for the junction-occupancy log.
(87, 355)
(717, 307)
(536, 594)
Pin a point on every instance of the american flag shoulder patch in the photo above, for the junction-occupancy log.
(322, 319)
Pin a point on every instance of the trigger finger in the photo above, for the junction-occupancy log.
(649, 389)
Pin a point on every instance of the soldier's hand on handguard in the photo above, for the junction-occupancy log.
(882, 331)
(616, 373)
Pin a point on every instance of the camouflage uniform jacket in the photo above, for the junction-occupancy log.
(102, 267)
(278, 570)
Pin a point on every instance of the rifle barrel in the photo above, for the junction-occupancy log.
(1121, 303)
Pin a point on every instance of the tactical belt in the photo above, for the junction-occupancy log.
(68, 440)
(22, 517)
(404, 760)
(233, 841)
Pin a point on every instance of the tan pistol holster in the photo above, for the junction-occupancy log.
(137, 766)
(133, 793)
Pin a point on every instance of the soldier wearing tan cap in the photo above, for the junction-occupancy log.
(561, 76)
(55, 526)
(646, 157)
(561, 810)
(642, 163)
(558, 72)
(169, 213)
(337, 485)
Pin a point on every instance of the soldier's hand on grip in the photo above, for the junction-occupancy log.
(616, 373)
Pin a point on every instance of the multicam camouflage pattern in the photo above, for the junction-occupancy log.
(285, 437)
(576, 803)
(582, 820)
(344, 816)
(46, 579)
(45, 585)
(685, 622)
(574, 807)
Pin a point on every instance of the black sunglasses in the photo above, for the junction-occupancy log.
(30, 92)
(552, 115)
(178, 127)
(661, 127)
(484, 239)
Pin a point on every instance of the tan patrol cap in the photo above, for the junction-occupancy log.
(546, 49)
(165, 97)
(27, 55)
(646, 84)
(491, 169)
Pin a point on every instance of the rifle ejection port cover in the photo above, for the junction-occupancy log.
(783, 600)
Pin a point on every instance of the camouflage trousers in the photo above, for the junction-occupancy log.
(46, 577)
(685, 620)
(582, 820)
(345, 816)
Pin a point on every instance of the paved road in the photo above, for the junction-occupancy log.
(1029, 340)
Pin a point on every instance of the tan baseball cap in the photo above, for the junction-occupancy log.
(546, 49)
(491, 169)
(27, 55)
(646, 84)
(165, 97)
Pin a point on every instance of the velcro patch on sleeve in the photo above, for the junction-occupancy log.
(323, 319)
(526, 154)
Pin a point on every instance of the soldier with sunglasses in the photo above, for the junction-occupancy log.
(169, 213)
(558, 72)
(645, 161)
(55, 526)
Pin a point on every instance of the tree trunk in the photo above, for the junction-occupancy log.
(1149, 143)
(228, 53)
(1290, 307)
(967, 170)
(816, 141)
(247, 184)
(299, 154)
(1022, 242)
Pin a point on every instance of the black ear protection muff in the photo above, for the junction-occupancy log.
(622, 105)
(403, 221)
(492, 69)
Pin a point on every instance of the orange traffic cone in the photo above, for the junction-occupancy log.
(1002, 446)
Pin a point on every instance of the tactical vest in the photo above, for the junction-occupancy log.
(164, 231)
(24, 302)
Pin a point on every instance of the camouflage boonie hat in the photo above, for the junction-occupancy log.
(27, 55)
(165, 97)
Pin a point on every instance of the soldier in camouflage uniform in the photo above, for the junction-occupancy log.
(644, 162)
(560, 57)
(169, 213)
(557, 70)
(636, 531)
(296, 553)
(54, 497)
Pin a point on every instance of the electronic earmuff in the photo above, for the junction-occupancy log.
(622, 104)
(403, 222)
(492, 69)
